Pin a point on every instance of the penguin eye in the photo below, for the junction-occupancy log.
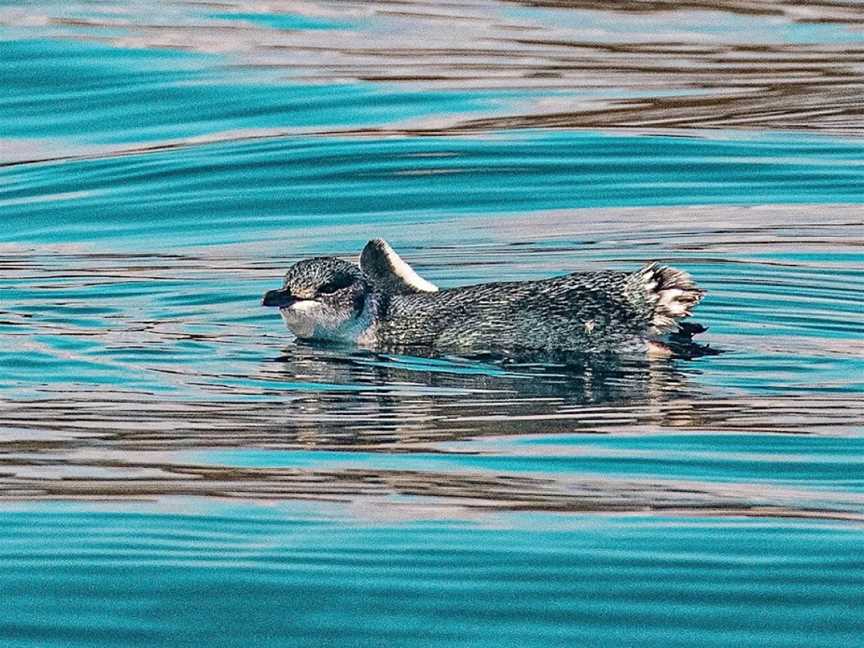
(333, 286)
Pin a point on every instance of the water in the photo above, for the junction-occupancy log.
(177, 470)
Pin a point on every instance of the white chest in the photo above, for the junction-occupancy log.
(311, 319)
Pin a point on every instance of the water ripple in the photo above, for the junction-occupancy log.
(534, 580)
(176, 469)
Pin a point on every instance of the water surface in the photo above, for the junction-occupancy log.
(168, 452)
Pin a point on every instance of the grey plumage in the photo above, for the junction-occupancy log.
(385, 305)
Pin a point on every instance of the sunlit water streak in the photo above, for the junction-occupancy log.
(162, 164)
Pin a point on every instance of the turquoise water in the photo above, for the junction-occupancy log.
(263, 576)
(177, 470)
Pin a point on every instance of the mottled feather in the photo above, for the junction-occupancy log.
(583, 312)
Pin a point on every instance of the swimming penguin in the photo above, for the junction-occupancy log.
(384, 304)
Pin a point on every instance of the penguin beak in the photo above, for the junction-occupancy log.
(281, 298)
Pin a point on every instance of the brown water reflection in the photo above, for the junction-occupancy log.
(95, 447)
(634, 65)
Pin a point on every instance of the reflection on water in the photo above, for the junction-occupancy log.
(427, 417)
(164, 442)
(245, 69)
